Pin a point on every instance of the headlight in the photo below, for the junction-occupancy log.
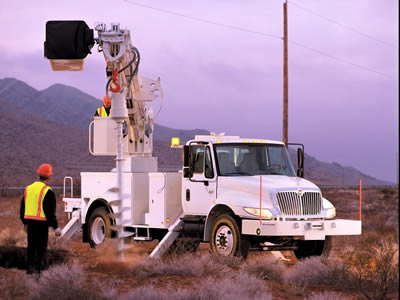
(265, 213)
(330, 209)
(331, 213)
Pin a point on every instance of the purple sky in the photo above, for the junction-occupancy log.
(227, 80)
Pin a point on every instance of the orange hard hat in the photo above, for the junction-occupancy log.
(45, 170)
(107, 101)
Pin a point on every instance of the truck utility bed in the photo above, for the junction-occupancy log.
(152, 199)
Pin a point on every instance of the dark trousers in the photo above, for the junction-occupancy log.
(38, 235)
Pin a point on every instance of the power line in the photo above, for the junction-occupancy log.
(342, 25)
(204, 21)
(258, 33)
(339, 59)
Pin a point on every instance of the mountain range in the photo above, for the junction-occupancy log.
(51, 125)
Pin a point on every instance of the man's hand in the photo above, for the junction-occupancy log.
(57, 231)
(26, 228)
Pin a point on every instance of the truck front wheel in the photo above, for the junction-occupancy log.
(226, 239)
(99, 226)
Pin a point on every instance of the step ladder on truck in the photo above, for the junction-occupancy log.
(235, 194)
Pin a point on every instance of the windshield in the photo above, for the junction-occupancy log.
(252, 159)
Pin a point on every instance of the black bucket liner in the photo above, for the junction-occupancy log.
(68, 40)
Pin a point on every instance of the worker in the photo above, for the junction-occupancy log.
(37, 213)
(104, 111)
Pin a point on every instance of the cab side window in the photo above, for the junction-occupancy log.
(202, 161)
(209, 173)
(198, 166)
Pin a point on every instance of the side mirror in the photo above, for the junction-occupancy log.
(300, 162)
(186, 154)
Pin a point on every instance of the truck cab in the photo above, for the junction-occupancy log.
(250, 196)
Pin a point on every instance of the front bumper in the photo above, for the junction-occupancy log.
(308, 230)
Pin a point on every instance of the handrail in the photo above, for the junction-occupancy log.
(91, 125)
(71, 188)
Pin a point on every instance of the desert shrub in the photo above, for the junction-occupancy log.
(8, 192)
(317, 271)
(268, 269)
(379, 223)
(239, 286)
(232, 262)
(14, 287)
(326, 296)
(388, 192)
(64, 282)
(13, 237)
(184, 265)
(373, 265)
(150, 292)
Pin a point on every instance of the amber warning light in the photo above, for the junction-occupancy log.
(175, 142)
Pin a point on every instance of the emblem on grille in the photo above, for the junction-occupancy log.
(299, 193)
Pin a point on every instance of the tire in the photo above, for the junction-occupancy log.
(226, 239)
(313, 248)
(99, 226)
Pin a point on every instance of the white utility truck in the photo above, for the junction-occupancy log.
(236, 194)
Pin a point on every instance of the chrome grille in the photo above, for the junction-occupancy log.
(290, 203)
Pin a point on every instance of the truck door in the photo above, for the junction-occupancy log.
(199, 191)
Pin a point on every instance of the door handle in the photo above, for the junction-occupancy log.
(210, 191)
(187, 194)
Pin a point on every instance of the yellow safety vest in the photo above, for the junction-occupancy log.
(101, 111)
(33, 196)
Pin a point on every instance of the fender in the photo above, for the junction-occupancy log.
(100, 202)
(212, 215)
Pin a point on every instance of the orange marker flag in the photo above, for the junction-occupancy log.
(260, 196)
(360, 197)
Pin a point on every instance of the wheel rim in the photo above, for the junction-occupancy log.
(98, 230)
(224, 240)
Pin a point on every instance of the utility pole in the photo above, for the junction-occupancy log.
(285, 76)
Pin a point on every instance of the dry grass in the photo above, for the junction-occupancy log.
(70, 281)
(13, 234)
(267, 268)
(64, 282)
(10, 237)
(195, 265)
(326, 296)
(14, 287)
(317, 271)
(238, 286)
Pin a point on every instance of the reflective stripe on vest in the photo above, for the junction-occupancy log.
(102, 112)
(33, 196)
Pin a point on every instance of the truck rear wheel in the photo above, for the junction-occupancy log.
(226, 239)
(99, 226)
(313, 248)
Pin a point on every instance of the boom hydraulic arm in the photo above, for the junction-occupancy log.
(123, 60)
